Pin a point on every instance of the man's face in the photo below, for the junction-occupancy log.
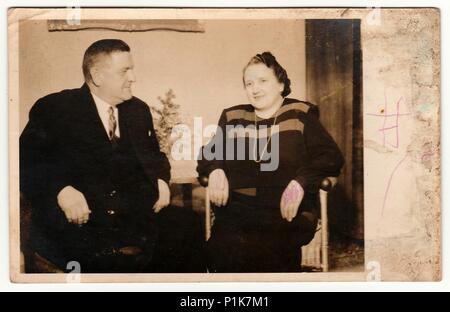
(115, 76)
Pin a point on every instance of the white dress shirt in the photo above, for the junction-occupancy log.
(102, 109)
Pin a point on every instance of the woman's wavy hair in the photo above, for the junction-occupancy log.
(270, 61)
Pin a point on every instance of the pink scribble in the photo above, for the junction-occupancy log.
(291, 194)
(384, 129)
(389, 182)
(426, 156)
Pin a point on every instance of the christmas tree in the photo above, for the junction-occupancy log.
(168, 117)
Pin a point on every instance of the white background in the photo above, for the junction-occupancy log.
(6, 285)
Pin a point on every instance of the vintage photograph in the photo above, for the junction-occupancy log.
(217, 143)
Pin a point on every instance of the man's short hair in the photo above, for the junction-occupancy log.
(105, 47)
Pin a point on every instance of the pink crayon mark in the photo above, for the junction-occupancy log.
(384, 114)
(291, 194)
(388, 115)
(389, 182)
(427, 156)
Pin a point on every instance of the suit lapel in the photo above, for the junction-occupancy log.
(133, 125)
(92, 130)
(123, 121)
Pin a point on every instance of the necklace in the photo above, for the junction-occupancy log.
(255, 159)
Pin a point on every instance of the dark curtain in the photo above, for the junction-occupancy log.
(333, 77)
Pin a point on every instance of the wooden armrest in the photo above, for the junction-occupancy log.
(328, 183)
(203, 180)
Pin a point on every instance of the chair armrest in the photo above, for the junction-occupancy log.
(328, 183)
(203, 180)
(326, 186)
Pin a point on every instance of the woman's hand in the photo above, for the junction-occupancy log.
(164, 196)
(290, 200)
(218, 187)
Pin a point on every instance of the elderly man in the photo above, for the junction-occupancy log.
(91, 167)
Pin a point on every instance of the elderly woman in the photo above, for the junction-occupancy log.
(266, 203)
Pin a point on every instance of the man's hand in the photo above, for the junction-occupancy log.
(74, 205)
(218, 187)
(164, 196)
(290, 200)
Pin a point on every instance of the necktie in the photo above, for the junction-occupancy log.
(112, 123)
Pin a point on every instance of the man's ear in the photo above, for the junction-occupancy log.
(97, 77)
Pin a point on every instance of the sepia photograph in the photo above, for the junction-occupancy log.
(181, 145)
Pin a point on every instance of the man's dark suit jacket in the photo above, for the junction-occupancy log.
(65, 143)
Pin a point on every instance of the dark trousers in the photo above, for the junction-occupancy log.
(251, 236)
(177, 247)
(180, 247)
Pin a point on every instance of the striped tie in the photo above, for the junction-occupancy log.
(112, 124)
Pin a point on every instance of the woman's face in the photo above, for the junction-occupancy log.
(262, 86)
